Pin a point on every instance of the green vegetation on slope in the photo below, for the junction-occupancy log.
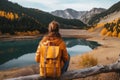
(29, 19)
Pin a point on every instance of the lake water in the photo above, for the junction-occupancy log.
(22, 52)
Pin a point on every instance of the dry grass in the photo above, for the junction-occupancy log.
(28, 70)
(87, 60)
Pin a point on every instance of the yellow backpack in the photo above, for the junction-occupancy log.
(50, 61)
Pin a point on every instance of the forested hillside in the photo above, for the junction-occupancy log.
(15, 18)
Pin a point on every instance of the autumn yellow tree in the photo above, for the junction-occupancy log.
(114, 34)
(2, 13)
(104, 31)
(9, 15)
(109, 33)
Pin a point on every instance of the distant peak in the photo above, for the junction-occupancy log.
(70, 9)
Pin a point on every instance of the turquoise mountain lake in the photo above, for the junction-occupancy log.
(22, 52)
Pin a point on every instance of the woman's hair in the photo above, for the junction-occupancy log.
(53, 29)
(53, 26)
(53, 32)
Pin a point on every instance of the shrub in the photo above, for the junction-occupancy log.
(28, 33)
(104, 31)
(87, 60)
(114, 34)
(109, 33)
(91, 29)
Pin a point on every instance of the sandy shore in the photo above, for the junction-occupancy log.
(106, 54)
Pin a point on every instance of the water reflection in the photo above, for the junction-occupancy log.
(74, 41)
(24, 60)
(14, 49)
(19, 53)
(78, 49)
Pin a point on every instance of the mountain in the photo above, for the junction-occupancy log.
(89, 14)
(107, 23)
(15, 18)
(110, 14)
(84, 16)
(68, 13)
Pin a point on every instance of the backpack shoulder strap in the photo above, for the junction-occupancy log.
(45, 60)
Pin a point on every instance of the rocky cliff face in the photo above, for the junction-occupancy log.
(81, 15)
(89, 14)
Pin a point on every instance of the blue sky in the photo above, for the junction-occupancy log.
(79, 5)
